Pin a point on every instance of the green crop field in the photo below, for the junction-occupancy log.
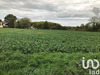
(46, 52)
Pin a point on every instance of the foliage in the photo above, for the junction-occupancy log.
(16, 63)
(92, 25)
(10, 20)
(0, 20)
(33, 41)
(46, 52)
(23, 23)
(46, 25)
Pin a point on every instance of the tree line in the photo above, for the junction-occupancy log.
(92, 25)
(11, 21)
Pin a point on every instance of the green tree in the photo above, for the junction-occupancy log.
(46, 25)
(82, 27)
(58, 26)
(88, 26)
(10, 20)
(23, 23)
(0, 20)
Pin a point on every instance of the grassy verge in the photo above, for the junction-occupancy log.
(17, 63)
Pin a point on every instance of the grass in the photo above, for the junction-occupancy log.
(46, 52)
(33, 41)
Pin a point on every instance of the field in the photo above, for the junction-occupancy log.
(46, 52)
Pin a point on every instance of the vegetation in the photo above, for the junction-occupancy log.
(46, 25)
(23, 23)
(32, 41)
(10, 20)
(92, 25)
(0, 20)
(17, 63)
(46, 52)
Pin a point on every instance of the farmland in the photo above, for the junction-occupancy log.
(46, 52)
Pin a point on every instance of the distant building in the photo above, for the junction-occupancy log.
(31, 27)
(2, 24)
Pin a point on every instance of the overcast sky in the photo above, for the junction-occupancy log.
(65, 12)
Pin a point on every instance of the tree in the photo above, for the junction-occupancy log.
(17, 24)
(95, 22)
(0, 20)
(77, 28)
(10, 20)
(58, 26)
(46, 25)
(23, 23)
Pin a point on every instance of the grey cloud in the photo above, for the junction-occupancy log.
(28, 4)
(96, 11)
(49, 10)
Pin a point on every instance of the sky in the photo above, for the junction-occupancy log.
(64, 12)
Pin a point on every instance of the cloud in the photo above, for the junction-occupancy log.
(55, 10)
(96, 11)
